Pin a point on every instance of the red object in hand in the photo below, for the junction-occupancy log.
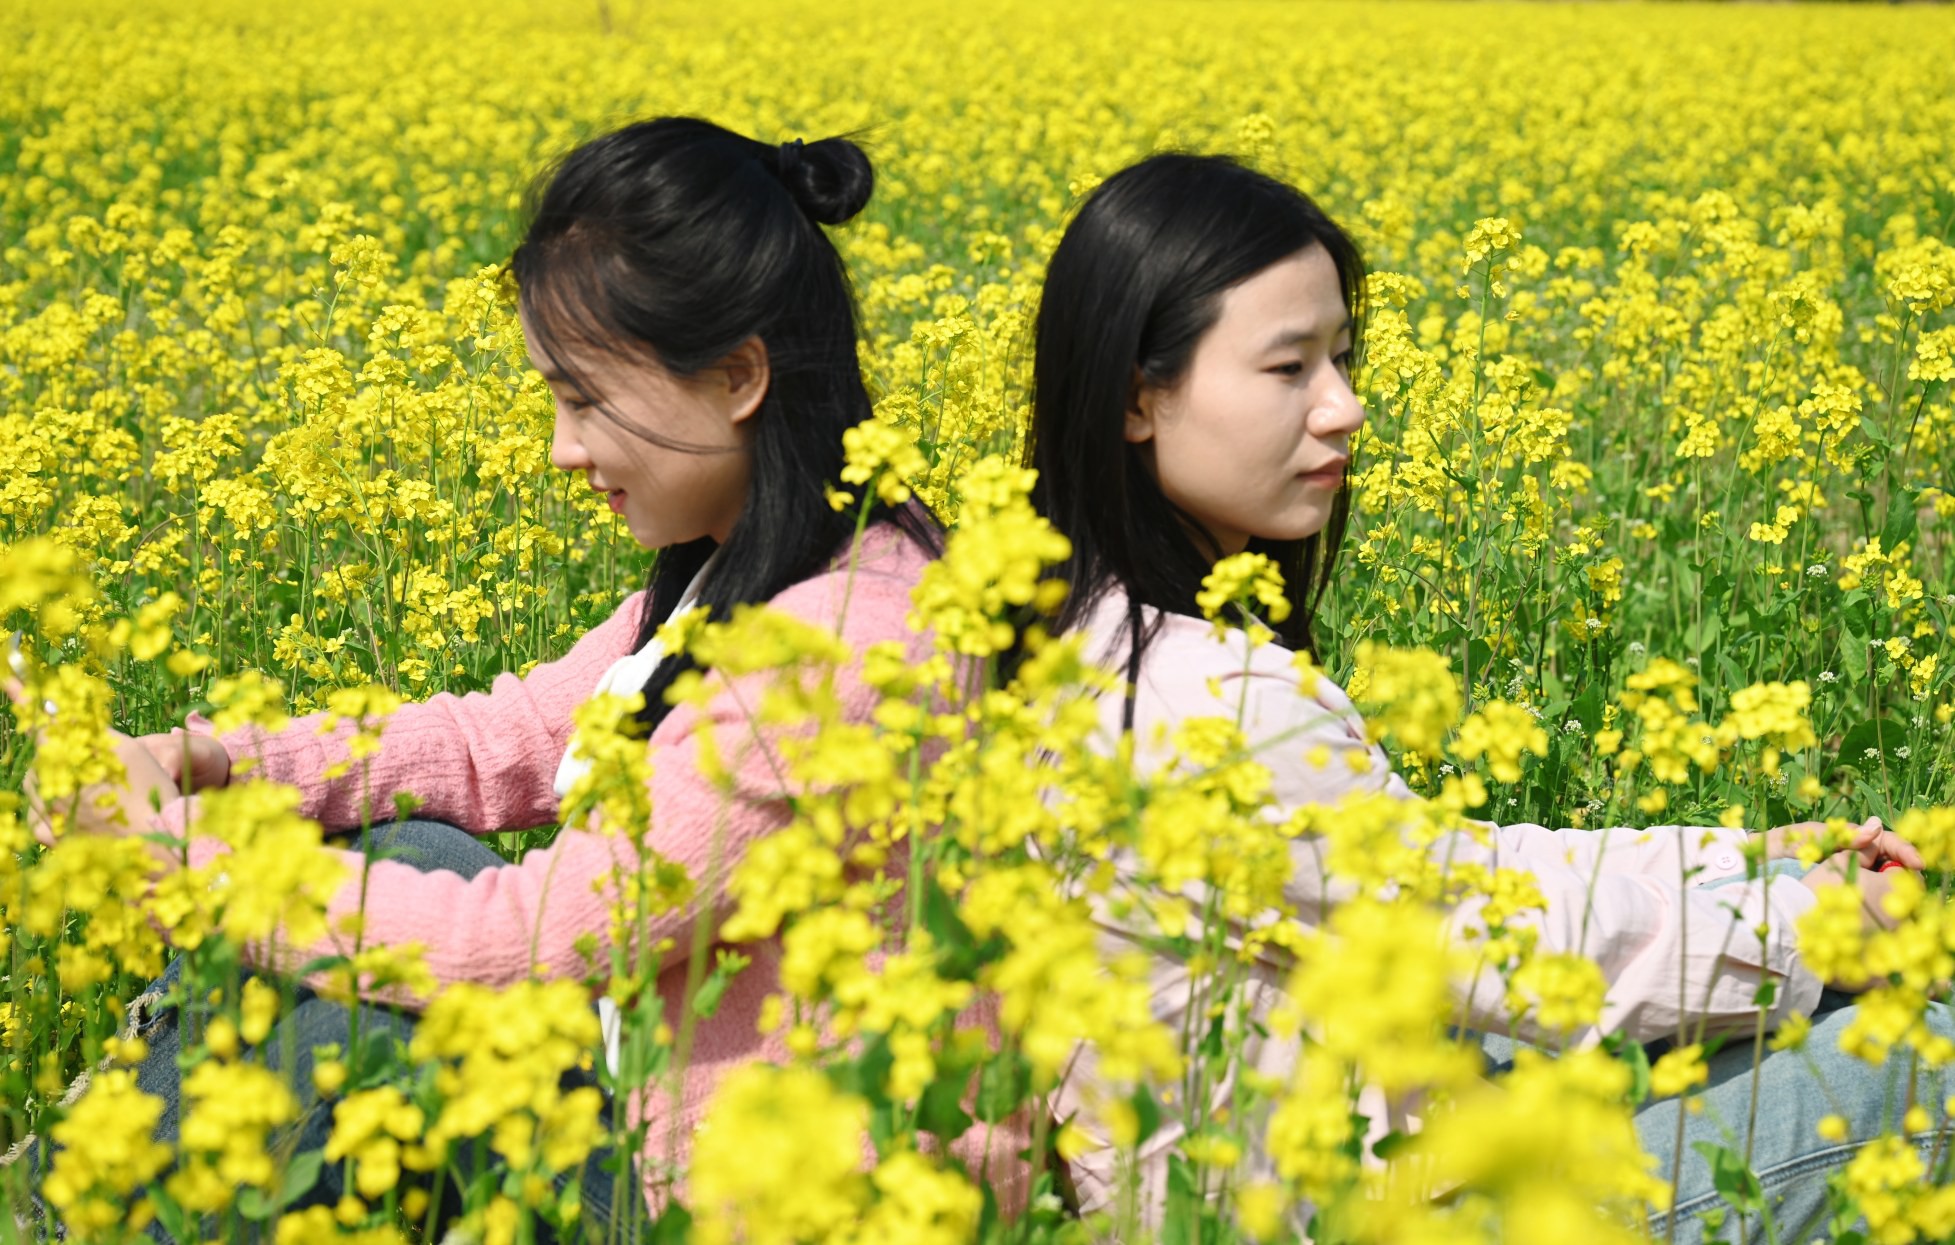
(1885, 865)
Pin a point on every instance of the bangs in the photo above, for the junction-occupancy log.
(568, 303)
(568, 311)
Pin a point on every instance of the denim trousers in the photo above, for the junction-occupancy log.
(313, 1022)
(1796, 1089)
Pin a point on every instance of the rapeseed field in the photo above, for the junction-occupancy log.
(1650, 526)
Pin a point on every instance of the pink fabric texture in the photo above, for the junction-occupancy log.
(486, 762)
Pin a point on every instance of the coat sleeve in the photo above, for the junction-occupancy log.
(1672, 951)
(484, 761)
(717, 787)
(1697, 853)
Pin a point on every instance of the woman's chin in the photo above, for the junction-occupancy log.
(1302, 524)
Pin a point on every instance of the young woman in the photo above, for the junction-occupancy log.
(1192, 400)
(696, 327)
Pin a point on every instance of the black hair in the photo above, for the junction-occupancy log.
(678, 240)
(1135, 282)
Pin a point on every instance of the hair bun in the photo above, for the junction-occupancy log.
(831, 179)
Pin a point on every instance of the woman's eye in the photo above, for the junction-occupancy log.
(1288, 369)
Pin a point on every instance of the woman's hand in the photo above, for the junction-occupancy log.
(126, 808)
(207, 761)
(1871, 841)
(129, 808)
(1873, 886)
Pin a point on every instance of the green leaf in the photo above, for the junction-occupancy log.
(884, 1124)
(1703, 633)
(727, 965)
(1734, 677)
(1637, 1057)
(379, 1055)
(1902, 522)
(640, 1060)
(941, 1108)
(300, 1175)
(1588, 708)
(1731, 1178)
(1873, 432)
(1182, 1223)
(1853, 655)
(1857, 613)
(1213, 1044)
(960, 954)
(989, 1220)
(673, 1227)
(867, 1075)
(1003, 1083)
(170, 1216)
(1147, 1114)
(1883, 733)
(323, 964)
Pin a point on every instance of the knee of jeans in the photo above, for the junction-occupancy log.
(317, 1024)
(433, 846)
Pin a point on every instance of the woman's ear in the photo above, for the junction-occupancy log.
(746, 374)
(1141, 402)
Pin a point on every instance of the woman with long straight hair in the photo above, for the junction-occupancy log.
(1192, 400)
(697, 331)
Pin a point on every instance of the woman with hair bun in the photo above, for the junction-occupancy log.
(697, 330)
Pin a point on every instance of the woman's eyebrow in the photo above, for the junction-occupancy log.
(1291, 335)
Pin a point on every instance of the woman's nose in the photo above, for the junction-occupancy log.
(1337, 410)
(566, 451)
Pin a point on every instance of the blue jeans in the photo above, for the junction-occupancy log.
(313, 1022)
(1796, 1089)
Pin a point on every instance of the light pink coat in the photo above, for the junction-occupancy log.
(486, 762)
(1672, 950)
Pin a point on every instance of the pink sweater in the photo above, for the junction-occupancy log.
(486, 762)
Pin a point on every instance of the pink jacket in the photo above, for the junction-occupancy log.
(1672, 951)
(486, 762)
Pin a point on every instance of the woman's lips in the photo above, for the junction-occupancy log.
(617, 501)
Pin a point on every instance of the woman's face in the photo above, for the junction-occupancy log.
(1253, 439)
(666, 496)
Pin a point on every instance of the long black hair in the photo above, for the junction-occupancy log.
(1134, 284)
(677, 240)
